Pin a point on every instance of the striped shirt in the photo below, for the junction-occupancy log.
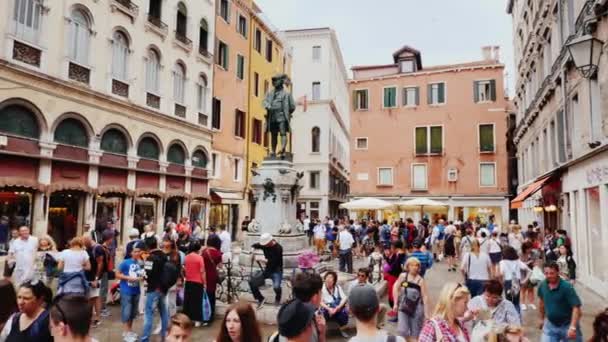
(425, 258)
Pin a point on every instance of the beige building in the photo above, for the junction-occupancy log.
(562, 126)
(103, 112)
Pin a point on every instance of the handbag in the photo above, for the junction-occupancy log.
(8, 269)
(206, 307)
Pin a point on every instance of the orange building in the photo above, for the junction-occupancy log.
(436, 132)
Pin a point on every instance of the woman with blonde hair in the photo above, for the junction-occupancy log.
(411, 302)
(445, 324)
(73, 262)
(46, 260)
(476, 268)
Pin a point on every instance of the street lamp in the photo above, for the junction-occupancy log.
(585, 52)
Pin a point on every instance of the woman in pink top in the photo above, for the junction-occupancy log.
(194, 266)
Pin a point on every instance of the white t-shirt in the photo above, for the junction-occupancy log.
(494, 246)
(226, 241)
(306, 224)
(381, 336)
(319, 231)
(73, 261)
(327, 297)
(515, 240)
(484, 245)
(479, 266)
(24, 251)
(346, 240)
(512, 268)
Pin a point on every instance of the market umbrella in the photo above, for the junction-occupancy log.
(421, 203)
(366, 203)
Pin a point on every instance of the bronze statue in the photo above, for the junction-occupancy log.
(279, 106)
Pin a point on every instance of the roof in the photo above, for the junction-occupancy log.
(407, 48)
(308, 29)
(509, 6)
(434, 67)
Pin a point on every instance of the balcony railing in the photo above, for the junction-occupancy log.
(154, 20)
(128, 4)
(204, 52)
(183, 39)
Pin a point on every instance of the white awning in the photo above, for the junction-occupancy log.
(228, 195)
(366, 203)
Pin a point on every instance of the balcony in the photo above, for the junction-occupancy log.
(182, 41)
(204, 56)
(126, 7)
(157, 26)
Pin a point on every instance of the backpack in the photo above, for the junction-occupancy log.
(515, 286)
(169, 275)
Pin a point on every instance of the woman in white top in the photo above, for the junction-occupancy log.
(511, 271)
(495, 252)
(476, 268)
(516, 239)
(45, 260)
(73, 262)
(333, 302)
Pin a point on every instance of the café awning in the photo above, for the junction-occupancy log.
(518, 201)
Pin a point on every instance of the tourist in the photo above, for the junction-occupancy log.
(411, 231)
(213, 259)
(491, 303)
(273, 252)
(363, 277)
(531, 257)
(510, 270)
(395, 258)
(465, 242)
(97, 260)
(438, 239)
(346, 249)
(567, 266)
(176, 257)
(476, 268)
(449, 248)
(184, 226)
(425, 258)
(226, 243)
(46, 260)
(495, 252)
(559, 306)
(31, 323)
(444, 324)
(367, 243)
(319, 237)
(600, 327)
(4, 233)
(149, 233)
(133, 239)
(364, 304)
(483, 238)
(197, 232)
(73, 262)
(154, 265)
(333, 302)
(9, 301)
(194, 266)
(516, 239)
(170, 232)
(296, 321)
(183, 242)
(385, 234)
(239, 325)
(180, 328)
(109, 238)
(70, 319)
(130, 274)
(22, 256)
(411, 300)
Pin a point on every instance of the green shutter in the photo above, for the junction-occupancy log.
(20, 121)
(441, 96)
(493, 90)
(486, 138)
(429, 94)
(417, 96)
(476, 91)
(148, 148)
(385, 98)
(199, 159)
(404, 96)
(114, 141)
(176, 155)
(71, 132)
(421, 140)
(436, 139)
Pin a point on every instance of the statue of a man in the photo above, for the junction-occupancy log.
(279, 106)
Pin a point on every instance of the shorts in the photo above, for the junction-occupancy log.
(320, 244)
(128, 307)
(94, 292)
(495, 257)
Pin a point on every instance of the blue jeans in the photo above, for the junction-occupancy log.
(155, 299)
(346, 260)
(276, 277)
(559, 333)
(128, 307)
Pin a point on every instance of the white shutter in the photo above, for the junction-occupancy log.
(199, 97)
(487, 175)
(419, 177)
(27, 19)
(83, 44)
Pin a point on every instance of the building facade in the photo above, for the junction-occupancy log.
(562, 128)
(268, 58)
(100, 113)
(436, 132)
(321, 122)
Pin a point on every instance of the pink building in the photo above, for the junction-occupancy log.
(436, 132)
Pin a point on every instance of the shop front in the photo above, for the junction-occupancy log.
(198, 205)
(224, 211)
(176, 199)
(18, 189)
(585, 197)
(147, 200)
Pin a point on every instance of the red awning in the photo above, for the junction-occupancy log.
(518, 201)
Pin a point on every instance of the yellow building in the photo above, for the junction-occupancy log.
(267, 57)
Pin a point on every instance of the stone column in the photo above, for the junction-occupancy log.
(93, 182)
(40, 210)
(162, 186)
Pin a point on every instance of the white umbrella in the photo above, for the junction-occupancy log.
(421, 203)
(366, 203)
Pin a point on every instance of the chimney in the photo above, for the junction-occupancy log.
(497, 53)
(486, 53)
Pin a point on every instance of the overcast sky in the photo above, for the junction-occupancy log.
(444, 31)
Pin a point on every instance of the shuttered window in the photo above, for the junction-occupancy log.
(240, 67)
(361, 101)
(436, 93)
(316, 139)
(18, 120)
(385, 176)
(179, 83)
(390, 97)
(421, 140)
(71, 132)
(484, 91)
(429, 140)
(176, 155)
(148, 148)
(79, 36)
(27, 19)
(487, 174)
(201, 94)
(419, 177)
(120, 53)
(486, 138)
(153, 72)
(411, 96)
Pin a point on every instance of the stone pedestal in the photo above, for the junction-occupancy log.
(276, 186)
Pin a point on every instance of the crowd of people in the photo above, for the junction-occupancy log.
(51, 295)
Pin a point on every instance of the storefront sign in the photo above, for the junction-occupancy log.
(598, 174)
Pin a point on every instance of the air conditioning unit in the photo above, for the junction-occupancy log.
(3, 141)
(452, 175)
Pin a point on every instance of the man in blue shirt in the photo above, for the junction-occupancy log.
(130, 274)
(426, 260)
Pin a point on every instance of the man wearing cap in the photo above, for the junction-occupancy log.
(133, 239)
(426, 260)
(296, 321)
(273, 252)
(364, 305)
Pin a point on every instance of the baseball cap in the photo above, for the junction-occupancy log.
(294, 317)
(265, 239)
(363, 298)
(133, 232)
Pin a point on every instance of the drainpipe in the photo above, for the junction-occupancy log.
(248, 117)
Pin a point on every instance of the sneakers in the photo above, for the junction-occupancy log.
(344, 334)
(197, 324)
(95, 323)
(532, 306)
(157, 330)
(524, 307)
(261, 304)
(129, 336)
(105, 313)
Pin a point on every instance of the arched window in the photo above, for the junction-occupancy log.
(27, 18)
(176, 154)
(199, 159)
(201, 93)
(114, 141)
(79, 36)
(316, 139)
(203, 39)
(153, 71)
(18, 120)
(148, 148)
(179, 83)
(182, 20)
(71, 132)
(120, 54)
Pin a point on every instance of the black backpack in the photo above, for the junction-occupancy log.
(169, 275)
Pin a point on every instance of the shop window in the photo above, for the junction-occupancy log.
(199, 159)
(71, 132)
(148, 148)
(16, 209)
(18, 120)
(114, 141)
(597, 234)
(176, 155)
